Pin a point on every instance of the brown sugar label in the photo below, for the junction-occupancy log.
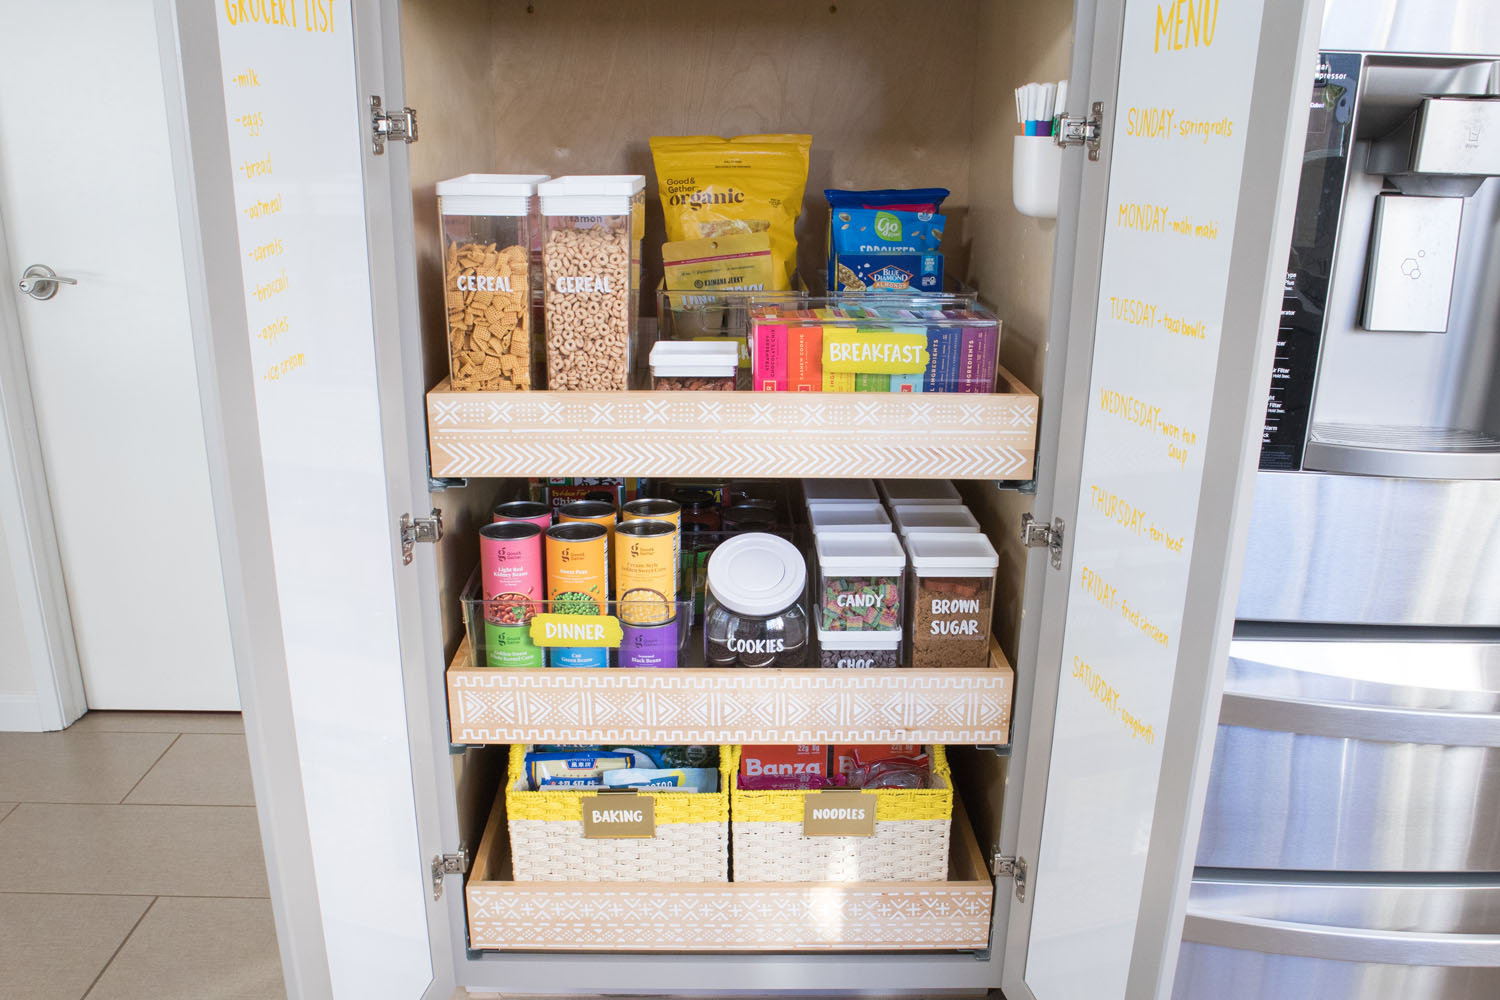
(623, 815)
(838, 813)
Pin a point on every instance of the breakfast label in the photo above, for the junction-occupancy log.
(838, 813)
(573, 631)
(874, 351)
(618, 816)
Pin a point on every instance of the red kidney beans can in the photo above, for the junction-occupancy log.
(510, 565)
(529, 511)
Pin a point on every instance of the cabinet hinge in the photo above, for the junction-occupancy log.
(447, 864)
(1082, 131)
(1040, 535)
(1007, 864)
(419, 529)
(397, 126)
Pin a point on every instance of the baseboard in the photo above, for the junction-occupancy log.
(20, 713)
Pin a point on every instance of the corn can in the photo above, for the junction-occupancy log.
(646, 571)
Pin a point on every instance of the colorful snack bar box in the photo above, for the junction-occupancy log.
(888, 272)
(784, 761)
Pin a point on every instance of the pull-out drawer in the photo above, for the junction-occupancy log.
(728, 916)
(1357, 756)
(1245, 940)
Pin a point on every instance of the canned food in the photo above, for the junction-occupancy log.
(702, 513)
(590, 511)
(749, 517)
(650, 645)
(529, 511)
(579, 656)
(646, 571)
(577, 568)
(658, 510)
(510, 560)
(510, 647)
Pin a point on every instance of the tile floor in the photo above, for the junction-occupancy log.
(130, 863)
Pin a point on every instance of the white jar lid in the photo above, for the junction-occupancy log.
(874, 640)
(945, 553)
(860, 553)
(488, 194)
(848, 517)
(597, 194)
(757, 574)
(686, 358)
(896, 491)
(839, 491)
(933, 517)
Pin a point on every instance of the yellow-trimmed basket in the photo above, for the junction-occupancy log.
(547, 842)
(910, 843)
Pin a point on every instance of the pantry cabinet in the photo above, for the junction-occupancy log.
(1137, 340)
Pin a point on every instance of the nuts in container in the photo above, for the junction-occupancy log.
(487, 224)
(709, 365)
(591, 262)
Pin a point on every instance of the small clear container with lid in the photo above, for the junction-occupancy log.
(933, 517)
(689, 364)
(839, 491)
(755, 614)
(924, 491)
(860, 581)
(488, 223)
(953, 598)
(859, 650)
(834, 517)
(591, 255)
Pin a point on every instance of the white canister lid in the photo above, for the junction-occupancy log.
(839, 491)
(946, 553)
(686, 358)
(757, 574)
(594, 194)
(860, 553)
(488, 194)
(848, 517)
(896, 491)
(933, 517)
(881, 640)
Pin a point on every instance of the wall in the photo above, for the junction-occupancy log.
(15, 657)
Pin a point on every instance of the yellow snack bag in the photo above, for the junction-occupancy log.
(719, 263)
(733, 187)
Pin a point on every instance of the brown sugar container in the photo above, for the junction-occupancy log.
(953, 583)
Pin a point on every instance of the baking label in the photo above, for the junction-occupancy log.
(838, 813)
(874, 351)
(619, 816)
(576, 630)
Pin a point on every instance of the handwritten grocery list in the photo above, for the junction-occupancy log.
(297, 127)
(1178, 134)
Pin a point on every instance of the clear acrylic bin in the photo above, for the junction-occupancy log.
(501, 638)
(861, 578)
(952, 591)
(933, 517)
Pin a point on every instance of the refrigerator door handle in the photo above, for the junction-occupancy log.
(1340, 944)
(1350, 720)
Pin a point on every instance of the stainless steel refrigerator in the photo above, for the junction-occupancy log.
(1351, 839)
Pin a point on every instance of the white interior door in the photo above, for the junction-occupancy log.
(86, 188)
(1184, 226)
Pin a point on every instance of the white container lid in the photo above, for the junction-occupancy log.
(933, 517)
(860, 553)
(926, 491)
(757, 574)
(848, 517)
(839, 491)
(686, 358)
(598, 194)
(489, 194)
(878, 640)
(944, 553)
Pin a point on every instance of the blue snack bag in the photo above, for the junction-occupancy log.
(879, 230)
(891, 199)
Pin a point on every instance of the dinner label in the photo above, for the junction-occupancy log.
(838, 813)
(573, 631)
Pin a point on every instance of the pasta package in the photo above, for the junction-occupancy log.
(712, 187)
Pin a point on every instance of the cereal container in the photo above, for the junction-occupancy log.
(859, 650)
(933, 517)
(692, 364)
(926, 491)
(860, 581)
(836, 517)
(953, 588)
(591, 264)
(487, 224)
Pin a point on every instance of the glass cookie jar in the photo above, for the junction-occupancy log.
(756, 613)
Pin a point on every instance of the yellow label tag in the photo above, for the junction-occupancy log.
(874, 351)
(841, 812)
(621, 815)
(572, 631)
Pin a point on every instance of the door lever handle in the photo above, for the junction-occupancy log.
(40, 282)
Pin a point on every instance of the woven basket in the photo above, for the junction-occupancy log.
(910, 842)
(547, 842)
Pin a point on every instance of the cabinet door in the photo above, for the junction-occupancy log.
(1182, 231)
(288, 217)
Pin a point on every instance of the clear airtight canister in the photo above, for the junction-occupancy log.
(591, 268)
(755, 614)
(487, 225)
